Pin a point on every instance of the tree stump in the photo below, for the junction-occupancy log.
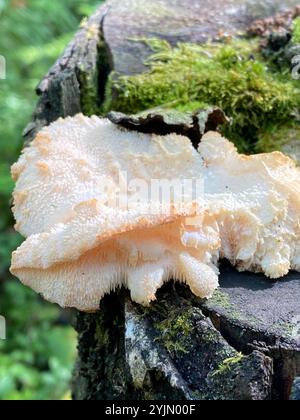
(242, 344)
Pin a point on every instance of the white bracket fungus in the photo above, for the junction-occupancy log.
(256, 203)
(88, 234)
(78, 202)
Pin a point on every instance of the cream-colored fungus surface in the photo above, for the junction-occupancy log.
(88, 235)
(256, 203)
(83, 243)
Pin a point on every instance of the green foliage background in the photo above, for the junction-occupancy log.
(36, 359)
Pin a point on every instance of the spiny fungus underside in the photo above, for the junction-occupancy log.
(81, 244)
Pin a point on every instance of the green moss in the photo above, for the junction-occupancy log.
(92, 87)
(296, 31)
(228, 364)
(175, 331)
(221, 300)
(276, 136)
(89, 94)
(233, 76)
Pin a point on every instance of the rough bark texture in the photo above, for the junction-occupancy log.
(192, 125)
(243, 344)
(254, 313)
(169, 351)
(295, 396)
(76, 82)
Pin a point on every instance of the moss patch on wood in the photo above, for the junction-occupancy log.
(89, 93)
(228, 364)
(222, 300)
(175, 331)
(296, 31)
(93, 85)
(234, 77)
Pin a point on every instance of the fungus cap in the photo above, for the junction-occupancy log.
(87, 234)
(256, 203)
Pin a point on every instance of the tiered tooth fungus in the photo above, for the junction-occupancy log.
(82, 242)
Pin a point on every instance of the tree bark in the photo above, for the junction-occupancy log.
(244, 343)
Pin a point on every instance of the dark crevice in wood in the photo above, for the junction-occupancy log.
(286, 367)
